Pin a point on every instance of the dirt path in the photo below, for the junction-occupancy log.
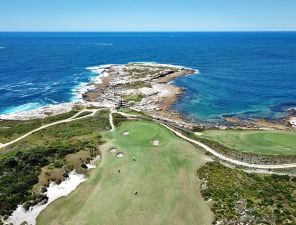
(71, 119)
(111, 121)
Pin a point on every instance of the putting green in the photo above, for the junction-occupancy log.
(260, 142)
(140, 134)
(149, 185)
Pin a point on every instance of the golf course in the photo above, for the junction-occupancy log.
(146, 176)
(258, 142)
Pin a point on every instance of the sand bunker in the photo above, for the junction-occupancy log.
(119, 155)
(54, 191)
(113, 150)
(93, 163)
(126, 133)
(156, 142)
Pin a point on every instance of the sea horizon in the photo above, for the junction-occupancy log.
(62, 77)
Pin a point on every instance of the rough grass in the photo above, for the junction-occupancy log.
(46, 155)
(163, 177)
(12, 129)
(259, 142)
(134, 98)
(137, 85)
(79, 130)
(245, 198)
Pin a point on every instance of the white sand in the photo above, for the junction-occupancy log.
(93, 163)
(156, 142)
(113, 150)
(293, 121)
(54, 192)
(119, 155)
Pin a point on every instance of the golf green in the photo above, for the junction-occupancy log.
(260, 142)
(148, 185)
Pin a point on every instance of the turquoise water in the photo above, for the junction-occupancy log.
(242, 74)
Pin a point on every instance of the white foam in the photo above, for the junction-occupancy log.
(293, 121)
(84, 87)
(22, 108)
(54, 191)
(81, 89)
(104, 44)
(25, 112)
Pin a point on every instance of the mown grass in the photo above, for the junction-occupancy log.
(162, 176)
(258, 142)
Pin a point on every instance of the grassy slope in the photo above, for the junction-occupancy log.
(260, 142)
(164, 177)
(10, 129)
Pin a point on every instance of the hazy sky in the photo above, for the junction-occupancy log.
(147, 15)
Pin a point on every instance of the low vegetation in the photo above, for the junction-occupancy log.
(11, 129)
(137, 85)
(134, 98)
(245, 198)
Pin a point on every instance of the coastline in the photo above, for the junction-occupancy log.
(158, 94)
(87, 93)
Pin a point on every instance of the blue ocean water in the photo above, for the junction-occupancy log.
(248, 74)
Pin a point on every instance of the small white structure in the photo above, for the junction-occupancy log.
(126, 133)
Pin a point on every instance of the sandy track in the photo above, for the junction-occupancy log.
(71, 119)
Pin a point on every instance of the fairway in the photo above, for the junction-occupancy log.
(148, 185)
(259, 142)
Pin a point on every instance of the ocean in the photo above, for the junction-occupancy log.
(244, 74)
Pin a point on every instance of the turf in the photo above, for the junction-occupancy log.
(163, 176)
(259, 142)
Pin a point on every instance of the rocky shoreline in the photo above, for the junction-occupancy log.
(285, 123)
(150, 82)
(145, 87)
